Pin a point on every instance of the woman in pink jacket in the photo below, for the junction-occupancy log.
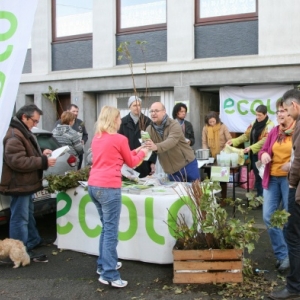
(275, 154)
(110, 151)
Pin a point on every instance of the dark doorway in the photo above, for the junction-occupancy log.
(62, 103)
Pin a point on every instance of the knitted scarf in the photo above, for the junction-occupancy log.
(160, 128)
(285, 131)
(257, 129)
(213, 139)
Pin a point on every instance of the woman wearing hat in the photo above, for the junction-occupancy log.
(131, 127)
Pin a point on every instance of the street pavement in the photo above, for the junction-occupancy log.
(72, 275)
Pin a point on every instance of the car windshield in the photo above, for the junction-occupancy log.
(47, 141)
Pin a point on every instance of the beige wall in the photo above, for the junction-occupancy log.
(279, 25)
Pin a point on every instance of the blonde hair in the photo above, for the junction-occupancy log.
(67, 117)
(107, 120)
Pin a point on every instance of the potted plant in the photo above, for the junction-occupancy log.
(211, 250)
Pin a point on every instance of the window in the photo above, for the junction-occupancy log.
(141, 15)
(217, 11)
(72, 19)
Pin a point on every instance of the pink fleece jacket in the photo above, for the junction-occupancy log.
(110, 152)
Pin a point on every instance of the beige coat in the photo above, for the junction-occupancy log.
(224, 137)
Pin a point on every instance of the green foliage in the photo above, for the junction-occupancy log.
(213, 227)
(68, 181)
(52, 94)
(279, 218)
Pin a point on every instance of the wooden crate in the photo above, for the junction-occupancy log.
(208, 266)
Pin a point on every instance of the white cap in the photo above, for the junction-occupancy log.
(132, 99)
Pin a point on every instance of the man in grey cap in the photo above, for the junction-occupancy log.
(131, 127)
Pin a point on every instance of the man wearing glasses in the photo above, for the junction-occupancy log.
(175, 155)
(22, 173)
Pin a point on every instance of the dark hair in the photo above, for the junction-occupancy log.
(177, 108)
(28, 110)
(72, 105)
(262, 109)
(291, 94)
(210, 115)
(67, 117)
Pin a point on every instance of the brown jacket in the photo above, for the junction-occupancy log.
(173, 151)
(23, 161)
(294, 174)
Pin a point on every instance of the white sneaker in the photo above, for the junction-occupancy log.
(118, 266)
(119, 283)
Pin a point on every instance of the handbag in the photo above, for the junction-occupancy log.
(243, 178)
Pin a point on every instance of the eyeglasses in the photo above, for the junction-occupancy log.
(34, 121)
(155, 111)
(280, 112)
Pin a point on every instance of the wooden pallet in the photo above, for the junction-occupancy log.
(208, 266)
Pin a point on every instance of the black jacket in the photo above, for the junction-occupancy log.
(133, 133)
(189, 132)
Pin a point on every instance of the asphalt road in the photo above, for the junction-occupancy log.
(72, 275)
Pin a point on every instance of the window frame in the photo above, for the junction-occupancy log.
(75, 37)
(223, 19)
(136, 29)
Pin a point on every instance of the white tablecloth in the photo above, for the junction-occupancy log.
(144, 233)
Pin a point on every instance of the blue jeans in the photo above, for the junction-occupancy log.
(188, 173)
(293, 242)
(276, 192)
(108, 203)
(22, 225)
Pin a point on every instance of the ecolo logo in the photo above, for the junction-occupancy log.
(243, 106)
(4, 36)
(133, 216)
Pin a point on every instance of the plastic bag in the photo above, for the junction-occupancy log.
(243, 178)
(240, 152)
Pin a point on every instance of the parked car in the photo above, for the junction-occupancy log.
(44, 202)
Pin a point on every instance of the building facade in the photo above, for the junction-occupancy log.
(194, 47)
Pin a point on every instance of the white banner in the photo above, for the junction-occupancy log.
(16, 19)
(238, 104)
(144, 229)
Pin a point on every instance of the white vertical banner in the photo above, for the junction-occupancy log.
(238, 104)
(16, 19)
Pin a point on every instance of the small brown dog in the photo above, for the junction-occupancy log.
(15, 250)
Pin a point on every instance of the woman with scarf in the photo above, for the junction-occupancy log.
(275, 155)
(257, 134)
(215, 134)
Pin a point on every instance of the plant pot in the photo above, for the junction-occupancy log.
(208, 266)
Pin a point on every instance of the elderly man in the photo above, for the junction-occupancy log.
(291, 103)
(131, 127)
(22, 174)
(174, 153)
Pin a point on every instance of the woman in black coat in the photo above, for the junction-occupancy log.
(179, 113)
(131, 127)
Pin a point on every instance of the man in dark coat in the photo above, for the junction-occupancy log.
(22, 175)
(131, 127)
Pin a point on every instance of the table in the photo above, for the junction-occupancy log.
(235, 183)
(145, 232)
